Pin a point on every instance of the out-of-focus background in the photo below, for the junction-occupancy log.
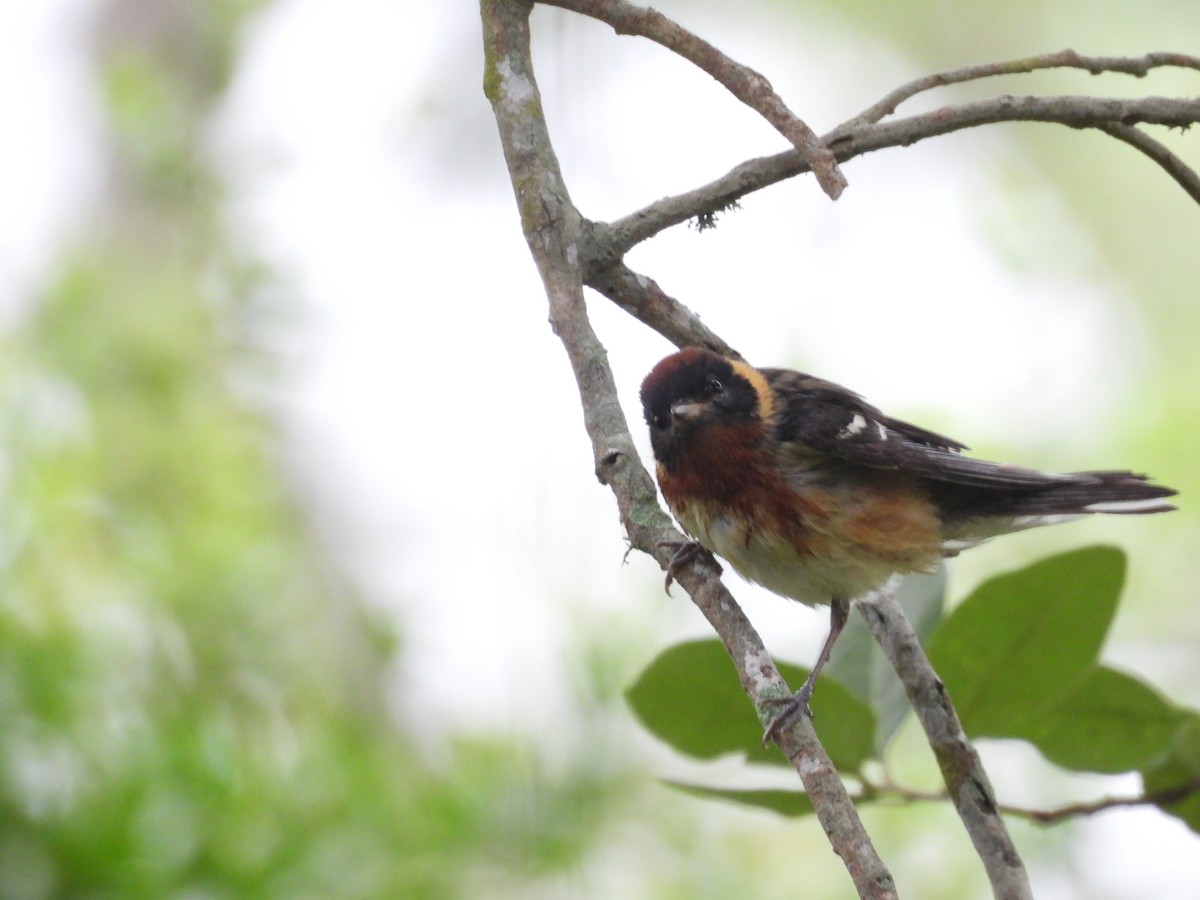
(306, 586)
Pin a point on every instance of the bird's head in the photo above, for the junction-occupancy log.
(697, 389)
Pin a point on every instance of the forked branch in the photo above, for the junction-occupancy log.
(555, 231)
(743, 82)
(962, 771)
(1113, 116)
(571, 252)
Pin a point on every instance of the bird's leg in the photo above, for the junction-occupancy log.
(839, 611)
(688, 552)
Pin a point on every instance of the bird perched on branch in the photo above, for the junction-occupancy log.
(808, 490)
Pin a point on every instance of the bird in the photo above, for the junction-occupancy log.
(806, 489)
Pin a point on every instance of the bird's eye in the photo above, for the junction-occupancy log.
(714, 386)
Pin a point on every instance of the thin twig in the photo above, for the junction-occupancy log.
(1163, 797)
(891, 791)
(966, 781)
(1071, 110)
(743, 82)
(1064, 59)
(1184, 175)
(555, 231)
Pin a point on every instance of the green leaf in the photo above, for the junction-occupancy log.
(1180, 768)
(859, 664)
(690, 697)
(1025, 640)
(787, 803)
(1110, 723)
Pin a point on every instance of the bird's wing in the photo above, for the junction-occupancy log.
(817, 420)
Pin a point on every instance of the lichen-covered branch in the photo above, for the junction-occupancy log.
(558, 239)
(798, 740)
(962, 771)
(571, 252)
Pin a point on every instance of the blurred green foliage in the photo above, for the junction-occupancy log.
(192, 701)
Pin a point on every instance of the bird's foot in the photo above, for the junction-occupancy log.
(686, 553)
(795, 705)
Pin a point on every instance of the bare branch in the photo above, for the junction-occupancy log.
(1074, 111)
(555, 233)
(851, 141)
(643, 299)
(889, 790)
(1164, 797)
(1064, 59)
(743, 82)
(570, 251)
(761, 680)
(966, 780)
(1183, 174)
(623, 234)
(555, 230)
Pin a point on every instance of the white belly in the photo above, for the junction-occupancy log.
(775, 564)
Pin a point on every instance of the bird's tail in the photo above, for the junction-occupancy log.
(1122, 493)
(976, 515)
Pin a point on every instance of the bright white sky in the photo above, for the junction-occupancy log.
(432, 418)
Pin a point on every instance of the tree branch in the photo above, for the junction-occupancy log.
(570, 251)
(890, 790)
(1164, 797)
(557, 236)
(643, 299)
(850, 140)
(1064, 59)
(760, 679)
(1183, 174)
(966, 781)
(743, 82)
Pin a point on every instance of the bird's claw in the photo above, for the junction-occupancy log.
(796, 704)
(687, 552)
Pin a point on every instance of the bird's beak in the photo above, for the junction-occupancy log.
(686, 412)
